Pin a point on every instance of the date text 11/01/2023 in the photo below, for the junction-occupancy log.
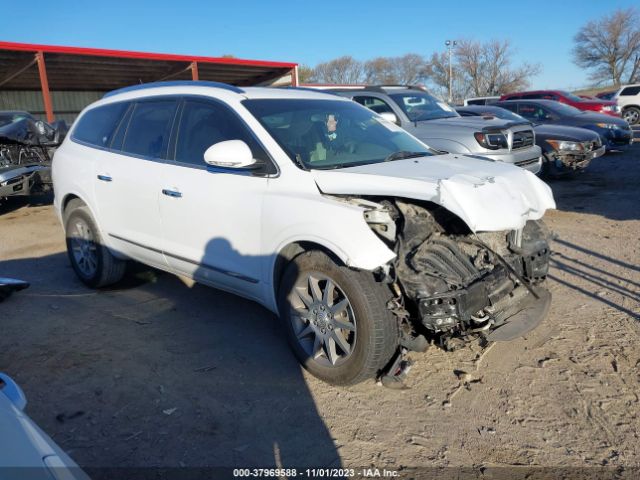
(315, 472)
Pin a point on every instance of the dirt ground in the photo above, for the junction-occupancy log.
(159, 373)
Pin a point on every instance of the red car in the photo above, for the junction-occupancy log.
(593, 105)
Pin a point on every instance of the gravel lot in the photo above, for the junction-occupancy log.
(158, 372)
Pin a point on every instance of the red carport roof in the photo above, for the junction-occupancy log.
(76, 68)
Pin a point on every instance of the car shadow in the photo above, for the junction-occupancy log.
(607, 187)
(11, 204)
(157, 374)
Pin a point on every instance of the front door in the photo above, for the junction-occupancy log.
(212, 218)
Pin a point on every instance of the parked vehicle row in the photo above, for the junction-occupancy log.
(442, 128)
(606, 107)
(365, 241)
(565, 149)
(616, 134)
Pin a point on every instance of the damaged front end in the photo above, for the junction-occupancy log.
(26, 149)
(452, 284)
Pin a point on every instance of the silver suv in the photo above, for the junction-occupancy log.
(439, 126)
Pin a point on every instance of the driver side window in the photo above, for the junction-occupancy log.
(203, 124)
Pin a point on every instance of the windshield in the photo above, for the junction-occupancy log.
(7, 118)
(419, 106)
(325, 134)
(564, 109)
(501, 113)
(572, 97)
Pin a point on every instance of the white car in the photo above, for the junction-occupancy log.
(628, 99)
(364, 241)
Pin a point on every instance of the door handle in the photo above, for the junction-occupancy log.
(171, 193)
(105, 178)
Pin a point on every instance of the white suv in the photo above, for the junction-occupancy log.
(364, 241)
(628, 99)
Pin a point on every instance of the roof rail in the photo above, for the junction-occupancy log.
(175, 83)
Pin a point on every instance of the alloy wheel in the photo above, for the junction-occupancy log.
(323, 320)
(84, 248)
(631, 116)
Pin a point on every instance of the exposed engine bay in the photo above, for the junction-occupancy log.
(26, 150)
(450, 283)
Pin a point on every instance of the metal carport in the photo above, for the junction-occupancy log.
(45, 68)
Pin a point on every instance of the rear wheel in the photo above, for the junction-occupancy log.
(631, 115)
(336, 319)
(91, 260)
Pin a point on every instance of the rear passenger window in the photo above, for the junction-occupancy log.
(203, 124)
(97, 126)
(629, 91)
(149, 128)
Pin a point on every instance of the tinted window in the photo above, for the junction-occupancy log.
(532, 96)
(630, 91)
(510, 106)
(97, 126)
(533, 112)
(373, 103)
(149, 128)
(203, 124)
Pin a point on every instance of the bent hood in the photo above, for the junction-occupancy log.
(486, 195)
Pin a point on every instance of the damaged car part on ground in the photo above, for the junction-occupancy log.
(364, 241)
(26, 150)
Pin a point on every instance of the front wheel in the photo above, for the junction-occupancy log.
(336, 319)
(631, 115)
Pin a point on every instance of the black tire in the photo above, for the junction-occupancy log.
(377, 329)
(635, 119)
(549, 168)
(108, 269)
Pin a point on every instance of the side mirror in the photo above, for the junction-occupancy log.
(230, 154)
(390, 117)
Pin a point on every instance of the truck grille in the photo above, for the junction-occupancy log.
(522, 139)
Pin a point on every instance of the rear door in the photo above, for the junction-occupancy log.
(128, 179)
(212, 217)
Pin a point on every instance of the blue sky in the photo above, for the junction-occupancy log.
(310, 32)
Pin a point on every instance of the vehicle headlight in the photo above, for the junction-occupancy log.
(609, 126)
(492, 141)
(607, 108)
(564, 145)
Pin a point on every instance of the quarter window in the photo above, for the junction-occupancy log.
(149, 128)
(97, 126)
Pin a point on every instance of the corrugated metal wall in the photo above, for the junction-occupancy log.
(66, 105)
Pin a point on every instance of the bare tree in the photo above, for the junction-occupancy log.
(343, 70)
(610, 47)
(409, 69)
(380, 70)
(437, 72)
(486, 67)
(306, 74)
